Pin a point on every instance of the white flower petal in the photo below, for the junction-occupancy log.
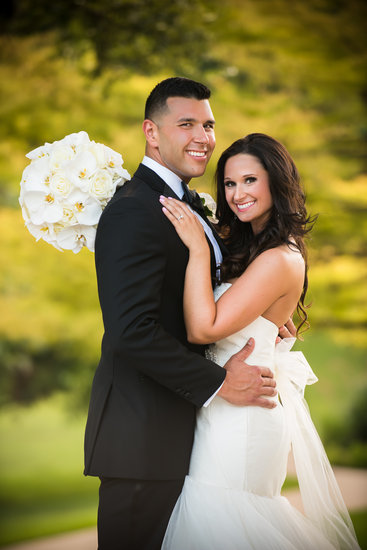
(35, 175)
(123, 176)
(75, 237)
(53, 213)
(33, 200)
(76, 140)
(90, 213)
(60, 156)
(39, 151)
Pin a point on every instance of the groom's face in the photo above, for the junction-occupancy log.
(185, 137)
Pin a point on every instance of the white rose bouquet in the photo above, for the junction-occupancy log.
(65, 188)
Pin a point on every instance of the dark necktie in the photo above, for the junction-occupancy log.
(192, 198)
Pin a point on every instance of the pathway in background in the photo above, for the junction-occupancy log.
(352, 482)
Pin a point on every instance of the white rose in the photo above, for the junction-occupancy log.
(101, 185)
(60, 184)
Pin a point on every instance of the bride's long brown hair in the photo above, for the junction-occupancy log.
(288, 221)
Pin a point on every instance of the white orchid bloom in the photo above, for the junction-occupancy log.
(43, 231)
(39, 152)
(36, 175)
(122, 177)
(60, 156)
(114, 164)
(113, 159)
(75, 237)
(42, 206)
(80, 169)
(98, 151)
(87, 209)
(25, 212)
(77, 140)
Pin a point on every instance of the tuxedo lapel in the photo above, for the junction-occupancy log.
(154, 181)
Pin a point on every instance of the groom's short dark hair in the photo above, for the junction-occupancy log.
(173, 87)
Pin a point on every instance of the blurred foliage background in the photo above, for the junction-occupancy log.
(295, 70)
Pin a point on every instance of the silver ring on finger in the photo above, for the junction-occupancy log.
(180, 216)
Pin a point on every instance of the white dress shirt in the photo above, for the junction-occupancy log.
(174, 182)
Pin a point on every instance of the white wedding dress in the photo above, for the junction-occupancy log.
(231, 499)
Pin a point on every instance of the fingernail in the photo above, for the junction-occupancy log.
(162, 198)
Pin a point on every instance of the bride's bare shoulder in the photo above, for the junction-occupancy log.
(281, 259)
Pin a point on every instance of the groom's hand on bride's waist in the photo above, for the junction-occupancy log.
(248, 384)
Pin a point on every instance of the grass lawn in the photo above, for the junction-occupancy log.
(43, 490)
(360, 524)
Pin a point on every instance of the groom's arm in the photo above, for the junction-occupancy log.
(131, 259)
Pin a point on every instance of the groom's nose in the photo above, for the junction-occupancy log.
(200, 134)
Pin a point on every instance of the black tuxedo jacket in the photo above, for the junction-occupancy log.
(150, 380)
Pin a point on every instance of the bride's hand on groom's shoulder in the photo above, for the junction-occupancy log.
(248, 384)
(186, 223)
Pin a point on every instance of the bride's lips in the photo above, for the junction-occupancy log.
(245, 206)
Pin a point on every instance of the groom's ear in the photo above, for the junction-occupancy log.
(151, 133)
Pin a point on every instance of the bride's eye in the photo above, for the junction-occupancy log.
(229, 183)
(250, 179)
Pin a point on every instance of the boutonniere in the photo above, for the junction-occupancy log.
(209, 205)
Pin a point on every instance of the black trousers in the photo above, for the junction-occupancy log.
(133, 514)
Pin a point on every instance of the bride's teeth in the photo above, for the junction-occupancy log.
(244, 206)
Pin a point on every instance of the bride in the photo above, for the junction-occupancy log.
(231, 498)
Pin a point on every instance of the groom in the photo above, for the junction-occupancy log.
(150, 380)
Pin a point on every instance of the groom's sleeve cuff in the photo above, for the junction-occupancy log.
(212, 396)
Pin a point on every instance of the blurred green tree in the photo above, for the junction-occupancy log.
(136, 34)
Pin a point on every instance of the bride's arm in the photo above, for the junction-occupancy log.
(199, 304)
(267, 278)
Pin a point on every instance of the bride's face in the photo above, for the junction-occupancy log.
(247, 190)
